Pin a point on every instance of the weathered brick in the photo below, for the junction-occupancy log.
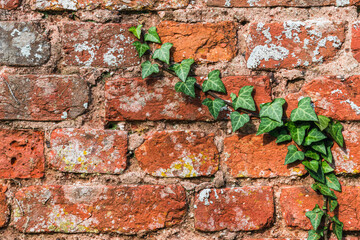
(23, 44)
(99, 45)
(204, 42)
(355, 40)
(178, 154)
(156, 99)
(296, 201)
(9, 4)
(235, 209)
(76, 209)
(332, 97)
(21, 154)
(4, 210)
(293, 44)
(281, 3)
(88, 151)
(258, 156)
(42, 97)
(74, 5)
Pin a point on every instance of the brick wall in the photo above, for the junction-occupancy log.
(89, 150)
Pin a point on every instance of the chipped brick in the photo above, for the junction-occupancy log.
(4, 210)
(9, 4)
(280, 3)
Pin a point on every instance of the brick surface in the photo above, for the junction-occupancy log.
(99, 45)
(235, 209)
(42, 97)
(71, 209)
(258, 156)
(88, 151)
(9, 4)
(292, 44)
(178, 154)
(284, 3)
(296, 201)
(156, 99)
(21, 154)
(204, 42)
(332, 97)
(355, 40)
(23, 44)
(4, 210)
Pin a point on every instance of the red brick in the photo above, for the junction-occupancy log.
(178, 154)
(293, 44)
(156, 99)
(9, 4)
(296, 201)
(88, 151)
(21, 154)
(235, 209)
(332, 97)
(355, 41)
(76, 209)
(42, 98)
(204, 42)
(4, 210)
(279, 3)
(258, 156)
(99, 45)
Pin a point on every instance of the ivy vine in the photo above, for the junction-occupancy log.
(314, 135)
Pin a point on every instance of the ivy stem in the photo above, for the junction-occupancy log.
(327, 219)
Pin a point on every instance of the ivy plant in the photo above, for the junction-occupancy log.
(311, 136)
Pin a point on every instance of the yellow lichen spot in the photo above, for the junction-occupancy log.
(178, 166)
(85, 152)
(163, 174)
(356, 171)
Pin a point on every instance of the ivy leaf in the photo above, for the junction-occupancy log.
(312, 165)
(298, 131)
(136, 31)
(311, 154)
(315, 216)
(214, 106)
(333, 182)
(267, 125)
(326, 167)
(314, 136)
(273, 110)
(333, 204)
(141, 48)
(319, 146)
(304, 112)
(152, 35)
(328, 156)
(182, 70)
(245, 100)
(186, 87)
(338, 227)
(317, 175)
(324, 190)
(313, 235)
(238, 120)
(334, 129)
(233, 96)
(163, 53)
(293, 155)
(148, 69)
(281, 136)
(323, 122)
(214, 82)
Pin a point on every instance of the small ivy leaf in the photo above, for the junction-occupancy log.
(163, 53)
(333, 182)
(328, 156)
(283, 136)
(232, 96)
(152, 35)
(313, 235)
(318, 175)
(324, 190)
(148, 69)
(334, 129)
(314, 136)
(333, 204)
(273, 110)
(311, 154)
(186, 87)
(293, 155)
(320, 147)
(338, 227)
(312, 165)
(214, 83)
(304, 112)
(214, 106)
(267, 125)
(141, 48)
(298, 131)
(315, 216)
(136, 31)
(182, 70)
(326, 167)
(245, 100)
(323, 122)
(238, 120)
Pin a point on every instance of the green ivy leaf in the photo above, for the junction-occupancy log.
(214, 106)
(238, 120)
(304, 112)
(141, 48)
(318, 175)
(233, 96)
(314, 136)
(313, 235)
(136, 31)
(328, 156)
(282, 136)
(214, 83)
(152, 35)
(298, 131)
(163, 53)
(335, 130)
(333, 182)
(323, 122)
(324, 190)
(312, 165)
(245, 100)
(293, 155)
(338, 227)
(320, 147)
(182, 70)
(273, 110)
(311, 154)
(267, 125)
(186, 87)
(315, 216)
(333, 204)
(148, 69)
(326, 167)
